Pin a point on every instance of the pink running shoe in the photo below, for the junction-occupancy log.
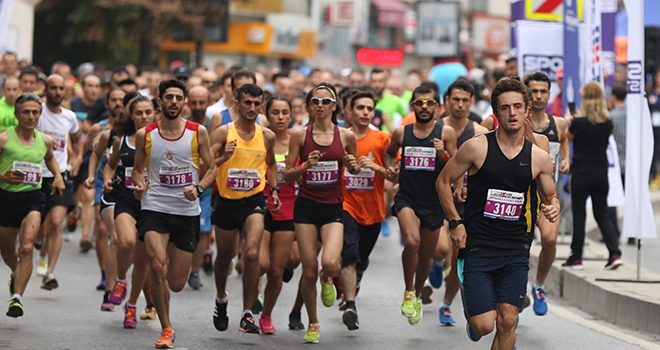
(130, 317)
(118, 293)
(266, 324)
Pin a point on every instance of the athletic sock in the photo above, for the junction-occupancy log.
(445, 303)
(537, 285)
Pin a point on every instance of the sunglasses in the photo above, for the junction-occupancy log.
(421, 103)
(326, 100)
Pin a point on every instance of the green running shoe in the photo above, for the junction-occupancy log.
(328, 293)
(15, 308)
(408, 306)
(312, 335)
(418, 313)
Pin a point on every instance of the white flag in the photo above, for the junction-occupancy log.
(638, 219)
(594, 47)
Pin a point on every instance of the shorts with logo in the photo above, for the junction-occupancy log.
(183, 230)
(205, 217)
(307, 211)
(430, 214)
(272, 226)
(359, 242)
(66, 199)
(486, 282)
(15, 206)
(230, 214)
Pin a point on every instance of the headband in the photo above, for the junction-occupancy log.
(323, 87)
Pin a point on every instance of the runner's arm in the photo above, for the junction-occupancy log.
(218, 142)
(140, 160)
(271, 171)
(49, 158)
(565, 148)
(393, 149)
(95, 158)
(350, 146)
(291, 171)
(206, 155)
(113, 161)
(542, 165)
(452, 172)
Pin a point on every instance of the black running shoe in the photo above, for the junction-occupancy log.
(350, 319)
(295, 323)
(258, 305)
(248, 325)
(207, 264)
(287, 275)
(15, 308)
(220, 318)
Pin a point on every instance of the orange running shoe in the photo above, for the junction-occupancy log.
(166, 340)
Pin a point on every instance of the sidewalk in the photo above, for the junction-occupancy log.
(630, 305)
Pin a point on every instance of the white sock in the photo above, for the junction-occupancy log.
(131, 306)
(123, 281)
(248, 313)
(537, 285)
(223, 300)
(445, 303)
(17, 296)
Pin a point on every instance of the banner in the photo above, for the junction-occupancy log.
(536, 55)
(5, 13)
(615, 196)
(593, 68)
(638, 219)
(608, 12)
(571, 81)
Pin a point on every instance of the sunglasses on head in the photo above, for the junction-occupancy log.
(421, 103)
(326, 100)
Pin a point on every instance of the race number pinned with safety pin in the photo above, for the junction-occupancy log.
(323, 173)
(504, 205)
(32, 172)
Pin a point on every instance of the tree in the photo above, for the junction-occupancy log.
(122, 31)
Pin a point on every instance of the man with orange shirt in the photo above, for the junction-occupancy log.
(362, 221)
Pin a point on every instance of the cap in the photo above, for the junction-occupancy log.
(560, 73)
(181, 72)
(42, 77)
(106, 81)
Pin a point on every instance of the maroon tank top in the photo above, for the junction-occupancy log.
(322, 183)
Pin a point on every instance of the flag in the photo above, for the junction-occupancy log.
(5, 14)
(593, 62)
(638, 219)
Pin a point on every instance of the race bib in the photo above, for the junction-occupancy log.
(362, 181)
(504, 205)
(243, 179)
(32, 172)
(280, 174)
(59, 139)
(419, 158)
(128, 177)
(176, 176)
(323, 173)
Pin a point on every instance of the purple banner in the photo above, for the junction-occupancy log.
(608, 21)
(517, 13)
(571, 83)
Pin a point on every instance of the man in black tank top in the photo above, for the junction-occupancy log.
(555, 129)
(457, 104)
(425, 147)
(495, 239)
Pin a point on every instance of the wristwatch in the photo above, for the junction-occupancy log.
(454, 223)
(200, 190)
(275, 189)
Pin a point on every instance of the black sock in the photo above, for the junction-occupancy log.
(351, 305)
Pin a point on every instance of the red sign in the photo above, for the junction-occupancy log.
(379, 57)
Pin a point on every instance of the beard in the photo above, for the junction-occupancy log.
(166, 114)
(420, 119)
(197, 114)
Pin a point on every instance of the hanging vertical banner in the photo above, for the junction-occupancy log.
(5, 13)
(608, 12)
(638, 219)
(593, 57)
(571, 82)
(536, 55)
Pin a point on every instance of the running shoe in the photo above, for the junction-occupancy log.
(106, 305)
(247, 325)
(337, 282)
(49, 282)
(408, 305)
(38, 244)
(166, 340)
(239, 266)
(343, 306)
(385, 229)
(220, 317)
(575, 264)
(42, 266)
(258, 305)
(328, 293)
(418, 313)
(118, 293)
(614, 262)
(194, 282)
(85, 245)
(526, 302)
(350, 319)
(427, 291)
(101, 285)
(15, 308)
(312, 335)
(130, 316)
(295, 322)
(72, 222)
(11, 285)
(149, 313)
(287, 275)
(445, 317)
(540, 305)
(207, 264)
(437, 274)
(266, 325)
(472, 335)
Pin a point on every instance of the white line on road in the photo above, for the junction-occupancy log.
(593, 325)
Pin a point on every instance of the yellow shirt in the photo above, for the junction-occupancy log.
(244, 174)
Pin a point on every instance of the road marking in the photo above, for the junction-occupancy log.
(595, 326)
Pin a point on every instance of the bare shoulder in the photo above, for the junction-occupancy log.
(561, 122)
(478, 143)
(479, 129)
(268, 134)
(448, 131)
(540, 155)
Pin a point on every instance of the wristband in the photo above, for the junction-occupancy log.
(445, 157)
(303, 167)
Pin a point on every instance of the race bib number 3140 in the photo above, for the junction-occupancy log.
(504, 205)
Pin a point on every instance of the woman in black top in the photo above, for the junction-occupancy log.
(590, 134)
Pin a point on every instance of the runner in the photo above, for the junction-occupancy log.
(106, 202)
(279, 230)
(117, 178)
(22, 150)
(324, 149)
(426, 146)
(198, 100)
(555, 129)
(364, 208)
(458, 101)
(494, 254)
(10, 93)
(246, 162)
(172, 149)
(61, 124)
